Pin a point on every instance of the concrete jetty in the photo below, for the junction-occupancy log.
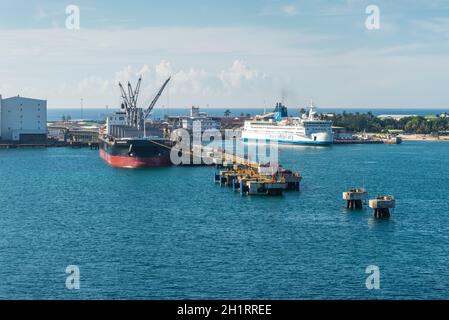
(264, 180)
(382, 206)
(354, 198)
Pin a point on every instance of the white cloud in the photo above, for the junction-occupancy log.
(125, 75)
(286, 10)
(194, 82)
(218, 66)
(40, 15)
(289, 10)
(163, 69)
(435, 25)
(237, 73)
(93, 82)
(189, 85)
(52, 17)
(144, 70)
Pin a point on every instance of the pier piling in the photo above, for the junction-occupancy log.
(248, 180)
(355, 197)
(382, 206)
(249, 177)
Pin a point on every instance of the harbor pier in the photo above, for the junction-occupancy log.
(382, 206)
(355, 198)
(250, 177)
(251, 181)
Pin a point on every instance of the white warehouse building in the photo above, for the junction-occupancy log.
(23, 120)
(207, 123)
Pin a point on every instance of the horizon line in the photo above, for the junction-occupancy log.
(246, 107)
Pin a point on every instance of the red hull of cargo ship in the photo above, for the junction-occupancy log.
(135, 162)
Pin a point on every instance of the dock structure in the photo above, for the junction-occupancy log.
(94, 145)
(250, 177)
(382, 206)
(265, 180)
(82, 144)
(220, 158)
(355, 197)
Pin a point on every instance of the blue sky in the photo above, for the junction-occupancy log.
(229, 53)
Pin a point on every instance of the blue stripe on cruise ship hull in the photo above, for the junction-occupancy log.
(309, 143)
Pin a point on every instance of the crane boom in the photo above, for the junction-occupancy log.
(131, 95)
(150, 108)
(124, 97)
(136, 92)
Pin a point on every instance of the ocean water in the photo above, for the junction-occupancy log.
(159, 113)
(172, 233)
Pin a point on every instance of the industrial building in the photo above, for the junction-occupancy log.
(23, 120)
(207, 123)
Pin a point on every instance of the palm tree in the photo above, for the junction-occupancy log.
(227, 113)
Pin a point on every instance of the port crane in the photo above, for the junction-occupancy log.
(153, 103)
(135, 116)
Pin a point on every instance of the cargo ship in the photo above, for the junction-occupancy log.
(135, 153)
(278, 126)
(124, 141)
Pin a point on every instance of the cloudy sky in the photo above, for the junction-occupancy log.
(228, 53)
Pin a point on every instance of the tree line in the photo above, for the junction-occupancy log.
(360, 122)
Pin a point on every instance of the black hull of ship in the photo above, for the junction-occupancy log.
(135, 153)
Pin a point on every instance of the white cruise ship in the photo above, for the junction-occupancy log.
(278, 126)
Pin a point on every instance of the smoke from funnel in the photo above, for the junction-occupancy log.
(288, 96)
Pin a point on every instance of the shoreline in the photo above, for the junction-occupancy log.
(407, 137)
(423, 137)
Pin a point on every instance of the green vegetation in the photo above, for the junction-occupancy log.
(359, 122)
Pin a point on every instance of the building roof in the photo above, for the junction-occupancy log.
(395, 116)
(21, 98)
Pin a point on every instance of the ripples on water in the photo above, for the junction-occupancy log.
(172, 233)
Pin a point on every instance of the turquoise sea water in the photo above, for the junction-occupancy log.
(172, 233)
